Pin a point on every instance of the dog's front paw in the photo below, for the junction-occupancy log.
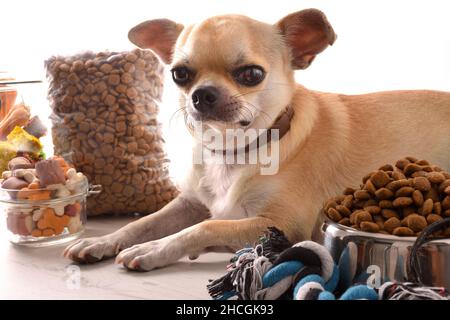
(150, 255)
(91, 250)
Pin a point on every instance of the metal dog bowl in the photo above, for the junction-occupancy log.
(379, 258)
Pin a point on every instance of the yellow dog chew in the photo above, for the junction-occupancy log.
(23, 141)
(7, 152)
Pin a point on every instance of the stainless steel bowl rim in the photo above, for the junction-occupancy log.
(379, 237)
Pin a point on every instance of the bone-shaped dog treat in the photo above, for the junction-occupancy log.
(20, 163)
(74, 180)
(35, 127)
(29, 176)
(59, 210)
(75, 224)
(26, 174)
(14, 183)
(71, 173)
(6, 174)
(50, 172)
(60, 190)
(37, 214)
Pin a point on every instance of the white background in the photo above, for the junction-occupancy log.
(381, 45)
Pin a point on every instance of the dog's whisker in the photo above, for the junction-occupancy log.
(175, 115)
(182, 109)
(268, 119)
(245, 113)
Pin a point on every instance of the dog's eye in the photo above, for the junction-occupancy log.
(181, 75)
(249, 75)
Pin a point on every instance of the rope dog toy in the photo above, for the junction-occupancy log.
(276, 269)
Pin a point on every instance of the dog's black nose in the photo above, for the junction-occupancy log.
(205, 98)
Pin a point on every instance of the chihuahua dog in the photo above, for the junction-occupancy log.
(237, 73)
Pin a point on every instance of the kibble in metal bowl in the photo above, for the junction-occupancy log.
(400, 199)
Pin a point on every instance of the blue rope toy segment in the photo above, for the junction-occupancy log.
(276, 269)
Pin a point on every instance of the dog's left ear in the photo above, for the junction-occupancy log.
(158, 35)
(307, 33)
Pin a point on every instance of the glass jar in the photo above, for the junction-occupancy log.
(44, 222)
(8, 97)
(25, 94)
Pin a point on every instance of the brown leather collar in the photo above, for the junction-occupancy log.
(281, 123)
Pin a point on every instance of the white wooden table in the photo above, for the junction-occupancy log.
(42, 273)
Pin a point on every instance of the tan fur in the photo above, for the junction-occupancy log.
(334, 140)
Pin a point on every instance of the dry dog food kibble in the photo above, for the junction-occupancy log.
(104, 122)
(401, 200)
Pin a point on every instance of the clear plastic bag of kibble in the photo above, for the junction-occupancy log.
(43, 202)
(104, 121)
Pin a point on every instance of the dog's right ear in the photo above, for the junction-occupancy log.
(158, 35)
